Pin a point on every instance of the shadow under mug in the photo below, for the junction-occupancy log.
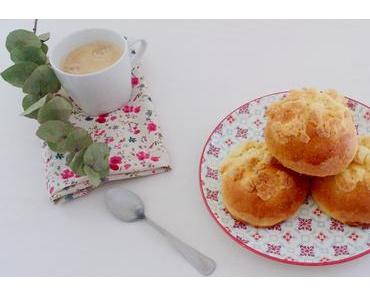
(104, 90)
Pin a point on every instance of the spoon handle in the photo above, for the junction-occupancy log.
(200, 262)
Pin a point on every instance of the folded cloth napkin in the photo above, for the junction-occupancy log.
(133, 135)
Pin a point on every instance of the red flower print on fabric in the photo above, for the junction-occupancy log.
(131, 108)
(151, 127)
(67, 173)
(126, 166)
(135, 81)
(126, 108)
(142, 155)
(101, 120)
(108, 140)
(99, 132)
(115, 159)
(154, 159)
(114, 162)
(113, 166)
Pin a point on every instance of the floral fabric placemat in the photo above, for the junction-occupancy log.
(133, 135)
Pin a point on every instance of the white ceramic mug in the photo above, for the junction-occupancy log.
(105, 90)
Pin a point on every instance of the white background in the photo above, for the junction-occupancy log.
(198, 71)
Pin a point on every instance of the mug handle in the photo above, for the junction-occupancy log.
(139, 50)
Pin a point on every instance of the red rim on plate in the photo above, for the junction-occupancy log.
(240, 242)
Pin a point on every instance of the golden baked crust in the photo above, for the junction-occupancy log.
(346, 196)
(311, 132)
(257, 189)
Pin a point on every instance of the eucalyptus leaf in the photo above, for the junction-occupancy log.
(70, 157)
(58, 108)
(44, 37)
(54, 131)
(49, 96)
(28, 54)
(96, 156)
(77, 140)
(31, 104)
(58, 147)
(44, 48)
(28, 101)
(104, 172)
(77, 164)
(94, 176)
(17, 74)
(80, 171)
(42, 81)
(22, 38)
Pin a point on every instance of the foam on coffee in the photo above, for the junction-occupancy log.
(91, 57)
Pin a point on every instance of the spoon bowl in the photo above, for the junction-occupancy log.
(124, 205)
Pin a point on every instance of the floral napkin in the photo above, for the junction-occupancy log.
(133, 135)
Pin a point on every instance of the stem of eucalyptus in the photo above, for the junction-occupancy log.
(35, 26)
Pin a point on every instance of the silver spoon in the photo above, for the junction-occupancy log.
(128, 207)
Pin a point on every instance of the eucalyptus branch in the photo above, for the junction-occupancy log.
(32, 72)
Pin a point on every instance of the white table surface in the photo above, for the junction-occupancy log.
(198, 71)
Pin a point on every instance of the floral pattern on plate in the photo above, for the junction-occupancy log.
(309, 237)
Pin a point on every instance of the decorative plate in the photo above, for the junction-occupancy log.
(308, 238)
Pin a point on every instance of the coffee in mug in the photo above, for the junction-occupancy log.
(91, 57)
